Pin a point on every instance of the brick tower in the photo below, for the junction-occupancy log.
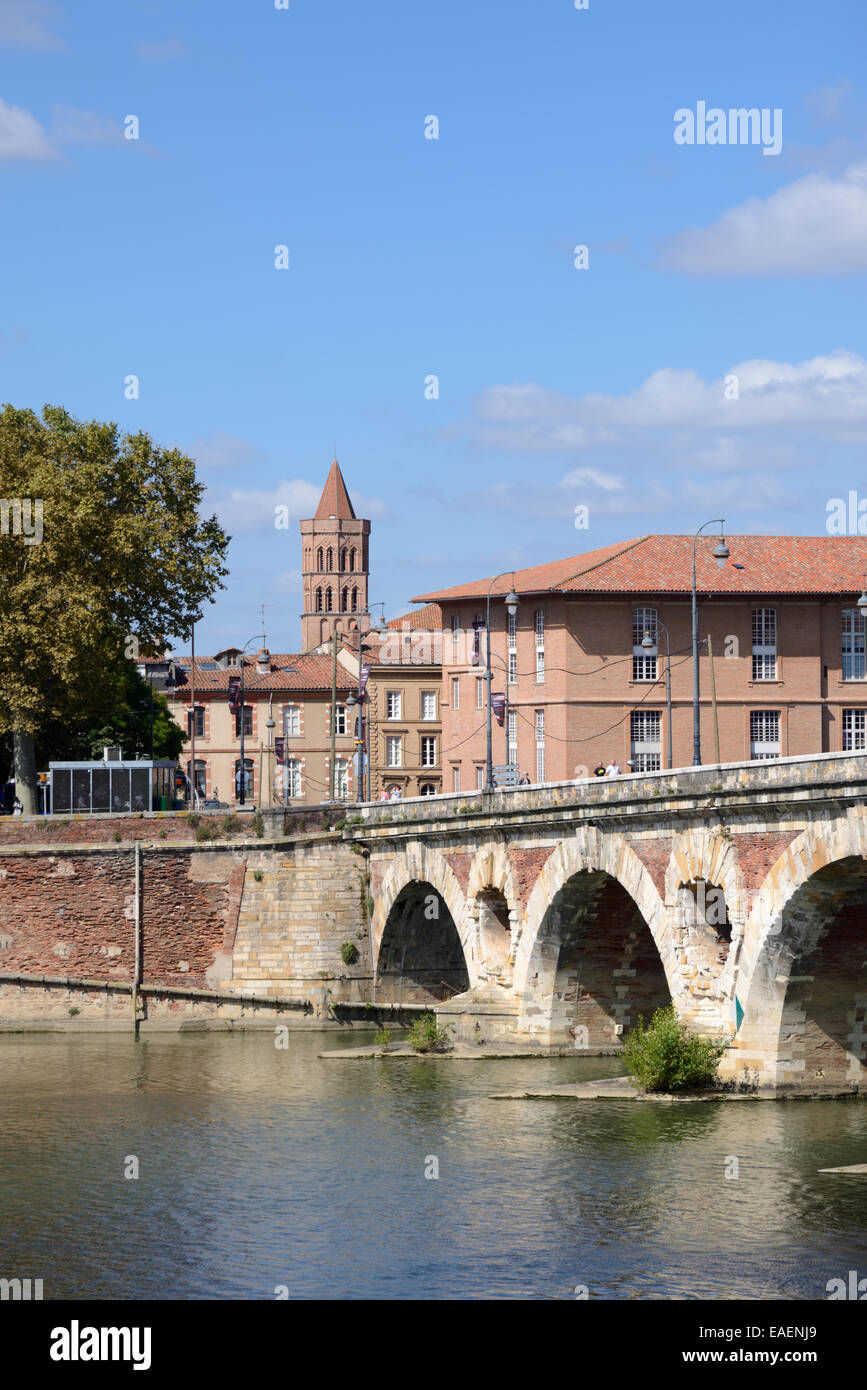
(335, 562)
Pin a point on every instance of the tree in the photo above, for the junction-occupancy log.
(119, 562)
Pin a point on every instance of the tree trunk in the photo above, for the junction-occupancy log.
(25, 771)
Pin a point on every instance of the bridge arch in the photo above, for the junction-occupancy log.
(419, 928)
(802, 983)
(493, 914)
(595, 948)
(708, 907)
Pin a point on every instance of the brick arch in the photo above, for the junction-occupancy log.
(420, 863)
(762, 980)
(491, 871)
(592, 850)
(700, 853)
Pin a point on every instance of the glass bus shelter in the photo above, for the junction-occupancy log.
(86, 788)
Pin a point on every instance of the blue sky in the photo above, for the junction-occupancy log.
(409, 257)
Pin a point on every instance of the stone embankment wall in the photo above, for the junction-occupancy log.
(244, 918)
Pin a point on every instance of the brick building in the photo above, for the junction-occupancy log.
(787, 637)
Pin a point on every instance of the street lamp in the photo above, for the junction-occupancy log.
(243, 773)
(650, 645)
(512, 602)
(721, 553)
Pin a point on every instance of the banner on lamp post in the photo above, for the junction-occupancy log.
(498, 707)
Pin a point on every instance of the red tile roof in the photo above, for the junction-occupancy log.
(335, 499)
(430, 617)
(288, 672)
(663, 564)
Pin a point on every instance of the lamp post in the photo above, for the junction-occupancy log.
(512, 602)
(650, 645)
(362, 726)
(721, 553)
(243, 774)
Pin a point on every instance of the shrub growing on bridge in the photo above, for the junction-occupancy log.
(425, 1036)
(666, 1056)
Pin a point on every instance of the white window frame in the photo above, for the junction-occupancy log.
(512, 737)
(764, 630)
(456, 692)
(456, 779)
(428, 701)
(293, 778)
(853, 656)
(394, 750)
(540, 744)
(513, 668)
(854, 730)
(292, 721)
(645, 734)
(644, 667)
(393, 704)
(480, 779)
(480, 692)
(540, 645)
(764, 734)
(340, 719)
(428, 750)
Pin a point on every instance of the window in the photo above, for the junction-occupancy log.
(428, 752)
(248, 722)
(512, 737)
(393, 752)
(342, 561)
(292, 721)
(247, 776)
(480, 692)
(355, 600)
(456, 637)
(201, 776)
(456, 779)
(344, 600)
(392, 704)
(197, 717)
(428, 704)
(511, 630)
(853, 645)
(646, 739)
(540, 646)
(428, 789)
(340, 719)
(329, 601)
(319, 558)
(341, 779)
(292, 777)
(854, 730)
(352, 561)
(764, 644)
(329, 559)
(476, 658)
(456, 693)
(540, 745)
(643, 666)
(480, 779)
(513, 668)
(318, 600)
(764, 734)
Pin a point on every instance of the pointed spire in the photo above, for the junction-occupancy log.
(335, 499)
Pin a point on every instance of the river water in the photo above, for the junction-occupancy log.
(261, 1168)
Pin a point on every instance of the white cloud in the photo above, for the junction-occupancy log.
(826, 102)
(595, 478)
(162, 49)
(254, 509)
(71, 126)
(219, 451)
(24, 24)
(826, 394)
(21, 135)
(815, 226)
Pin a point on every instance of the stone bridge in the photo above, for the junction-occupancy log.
(559, 915)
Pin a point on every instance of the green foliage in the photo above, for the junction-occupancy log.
(349, 952)
(382, 1037)
(666, 1056)
(195, 819)
(117, 837)
(124, 562)
(73, 1012)
(258, 824)
(425, 1036)
(258, 875)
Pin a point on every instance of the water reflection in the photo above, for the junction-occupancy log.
(261, 1167)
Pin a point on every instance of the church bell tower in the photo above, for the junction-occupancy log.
(335, 565)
